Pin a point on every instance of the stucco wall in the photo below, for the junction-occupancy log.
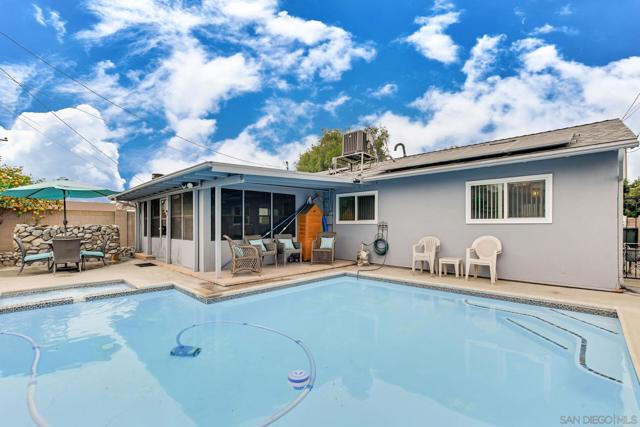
(580, 247)
(78, 213)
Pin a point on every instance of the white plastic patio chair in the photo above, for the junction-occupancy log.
(425, 250)
(484, 251)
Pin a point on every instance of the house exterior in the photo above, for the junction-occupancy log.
(553, 198)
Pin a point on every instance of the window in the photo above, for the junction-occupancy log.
(182, 216)
(258, 213)
(520, 200)
(284, 206)
(155, 218)
(357, 208)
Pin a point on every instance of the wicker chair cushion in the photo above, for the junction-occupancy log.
(238, 251)
(37, 257)
(259, 243)
(99, 254)
(326, 243)
(287, 243)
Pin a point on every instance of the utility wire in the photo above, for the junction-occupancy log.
(115, 104)
(626, 115)
(24, 88)
(80, 154)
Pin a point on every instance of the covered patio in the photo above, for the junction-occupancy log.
(181, 218)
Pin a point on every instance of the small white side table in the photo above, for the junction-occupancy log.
(444, 261)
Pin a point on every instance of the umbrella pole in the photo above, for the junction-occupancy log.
(64, 207)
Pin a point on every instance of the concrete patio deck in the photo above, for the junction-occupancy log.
(627, 304)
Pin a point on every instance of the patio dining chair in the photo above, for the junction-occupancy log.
(67, 250)
(264, 248)
(324, 248)
(425, 250)
(484, 251)
(243, 257)
(287, 246)
(99, 254)
(30, 259)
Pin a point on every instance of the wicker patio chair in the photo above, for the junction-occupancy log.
(99, 254)
(326, 255)
(66, 250)
(30, 259)
(271, 248)
(286, 253)
(243, 257)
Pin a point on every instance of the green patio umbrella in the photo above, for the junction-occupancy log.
(58, 189)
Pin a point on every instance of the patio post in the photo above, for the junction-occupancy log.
(218, 229)
(196, 230)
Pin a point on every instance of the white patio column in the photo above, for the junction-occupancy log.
(167, 238)
(196, 230)
(218, 229)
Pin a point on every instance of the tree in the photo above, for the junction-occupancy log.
(318, 157)
(11, 176)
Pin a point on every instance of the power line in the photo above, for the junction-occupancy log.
(126, 110)
(56, 115)
(626, 115)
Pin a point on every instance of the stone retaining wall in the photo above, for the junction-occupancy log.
(34, 238)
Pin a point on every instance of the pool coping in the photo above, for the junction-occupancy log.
(500, 295)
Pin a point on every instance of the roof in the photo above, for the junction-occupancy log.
(582, 139)
(198, 175)
(575, 140)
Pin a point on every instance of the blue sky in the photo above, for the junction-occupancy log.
(256, 81)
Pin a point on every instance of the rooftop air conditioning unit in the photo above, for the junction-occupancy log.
(355, 142)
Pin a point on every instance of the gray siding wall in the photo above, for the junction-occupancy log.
(580, 247)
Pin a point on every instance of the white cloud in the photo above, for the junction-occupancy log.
(546, 91)
(278, 115)
(385, 90)
(333, 104)
(10, 93)
(54, 20)
(548, 29)
(430, 39)
(566, 10)
(483, 57)
(281, 43)
(58, 151)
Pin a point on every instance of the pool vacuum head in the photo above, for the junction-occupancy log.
(186, 351)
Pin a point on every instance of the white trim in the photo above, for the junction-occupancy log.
(356, 195)
(548, 219)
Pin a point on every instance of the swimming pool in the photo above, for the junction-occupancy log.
(385, 355)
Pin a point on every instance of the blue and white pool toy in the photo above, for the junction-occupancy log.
(298, 379)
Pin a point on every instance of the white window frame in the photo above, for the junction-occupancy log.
(548, 219)
(356, 221)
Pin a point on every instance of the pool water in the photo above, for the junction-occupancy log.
(75, 293)
(386, 355)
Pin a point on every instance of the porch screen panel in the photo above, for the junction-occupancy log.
(213, 214)
(144, 219)
(176, 216)
(257, 212)
(187, 216)
(232, 213)
(155, 218)
(367, 208)
(347, 208)
(487, 201)
(527, 199)
(284, 205)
